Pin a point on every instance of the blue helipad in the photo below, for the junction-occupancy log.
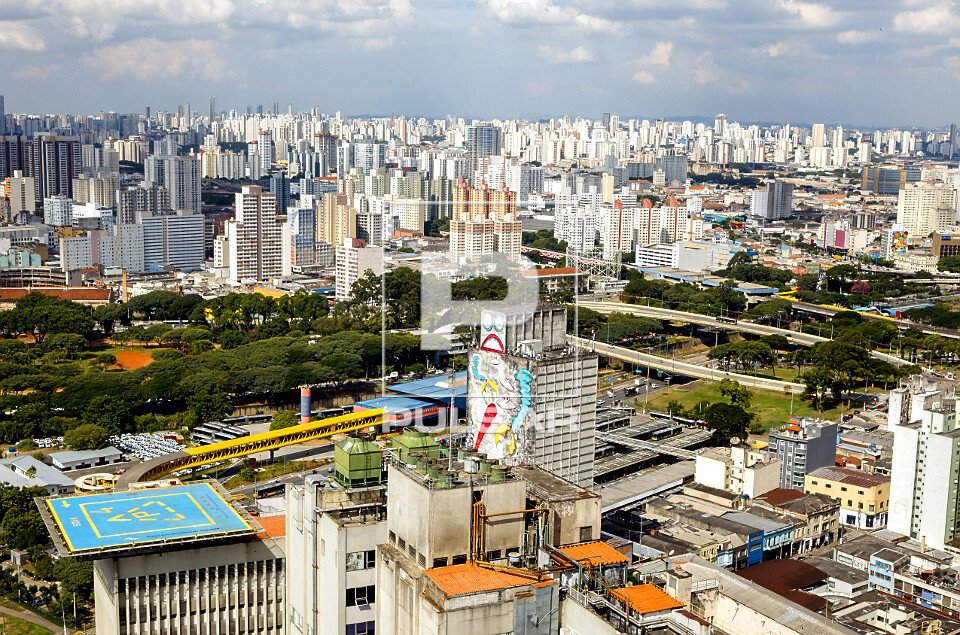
(132, 518)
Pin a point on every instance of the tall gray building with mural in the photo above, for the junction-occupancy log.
(531, 398)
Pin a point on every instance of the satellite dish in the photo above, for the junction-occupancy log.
(734, 441)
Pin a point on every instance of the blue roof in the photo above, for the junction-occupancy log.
(137, 517)
(395, 404)
(431, 388)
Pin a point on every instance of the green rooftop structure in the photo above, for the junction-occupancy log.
(413, 441)
(358, 462)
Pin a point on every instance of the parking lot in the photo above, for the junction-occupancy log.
(145, 446)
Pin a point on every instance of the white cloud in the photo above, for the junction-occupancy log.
(644, 77)
(812, 14)
(659, 56)
(153, 59)
(578, 55)
(776, 49)
(545, 13)
(706, 71)
(936, 19)
(20, 35)
(857, 37)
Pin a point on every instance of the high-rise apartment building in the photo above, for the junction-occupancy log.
(924, 494)
(54, 163)
(472, 237)
(617, 226)
(280, 188)
(325, 145)
(19, 190)
(483, 140)
(775, 202)
(258, 242)
(336, 219)
(141, 200)
(353, 259)
(803, 446)
(483, 201)
(99, 190)
(923, 208)
(181, 178)
(303, 235)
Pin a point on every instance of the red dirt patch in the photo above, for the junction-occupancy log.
(132, 360)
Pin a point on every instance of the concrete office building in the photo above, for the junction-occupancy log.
(803, 446)
(445, 526)
(174, 241)
(924, 494)
(258, 241)
(206, 566)
(543, 411)
(740, 470)
(134, 203)
(333, 529)
(58, 211)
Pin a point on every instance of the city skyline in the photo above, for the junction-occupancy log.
(889, 64)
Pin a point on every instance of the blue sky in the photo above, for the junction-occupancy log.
(863, 62)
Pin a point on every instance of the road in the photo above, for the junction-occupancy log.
(681, 368)
(804, 339)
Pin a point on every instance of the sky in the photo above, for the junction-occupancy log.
(858, 62)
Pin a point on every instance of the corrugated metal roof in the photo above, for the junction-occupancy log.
(596, 553)
(463, 579)
(646, 598)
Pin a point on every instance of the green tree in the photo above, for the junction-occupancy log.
(727, 421)
(86, 437)
(735, 392)
(207, 406)
(109, 412)
(284, 419)
(949, 263)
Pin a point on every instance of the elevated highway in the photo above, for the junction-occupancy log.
(804, 339)
(682, 368)
(245, 446)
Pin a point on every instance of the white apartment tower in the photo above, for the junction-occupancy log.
(353, 260)
(258, 241)
(923, 208)
(924, 492)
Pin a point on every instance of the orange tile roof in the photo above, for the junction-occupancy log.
(462, 579)
(595, 554)
(646, 598)
(273, 526)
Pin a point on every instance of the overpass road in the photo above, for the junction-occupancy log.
(681, 368)
(804, 339)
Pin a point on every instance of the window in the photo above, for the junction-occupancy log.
(357, 560)
(461, 559)
(439, 562)
(843, 489)
(361, 596)
(361, 628)
(586, 533)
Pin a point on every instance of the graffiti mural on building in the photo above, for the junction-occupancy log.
(499, 405)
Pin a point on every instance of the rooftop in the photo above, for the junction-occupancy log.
(596, 553)
(463, 579)
(646, 598)
(273, 526)
(84, 524)
(849, 476)
(26, 471)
